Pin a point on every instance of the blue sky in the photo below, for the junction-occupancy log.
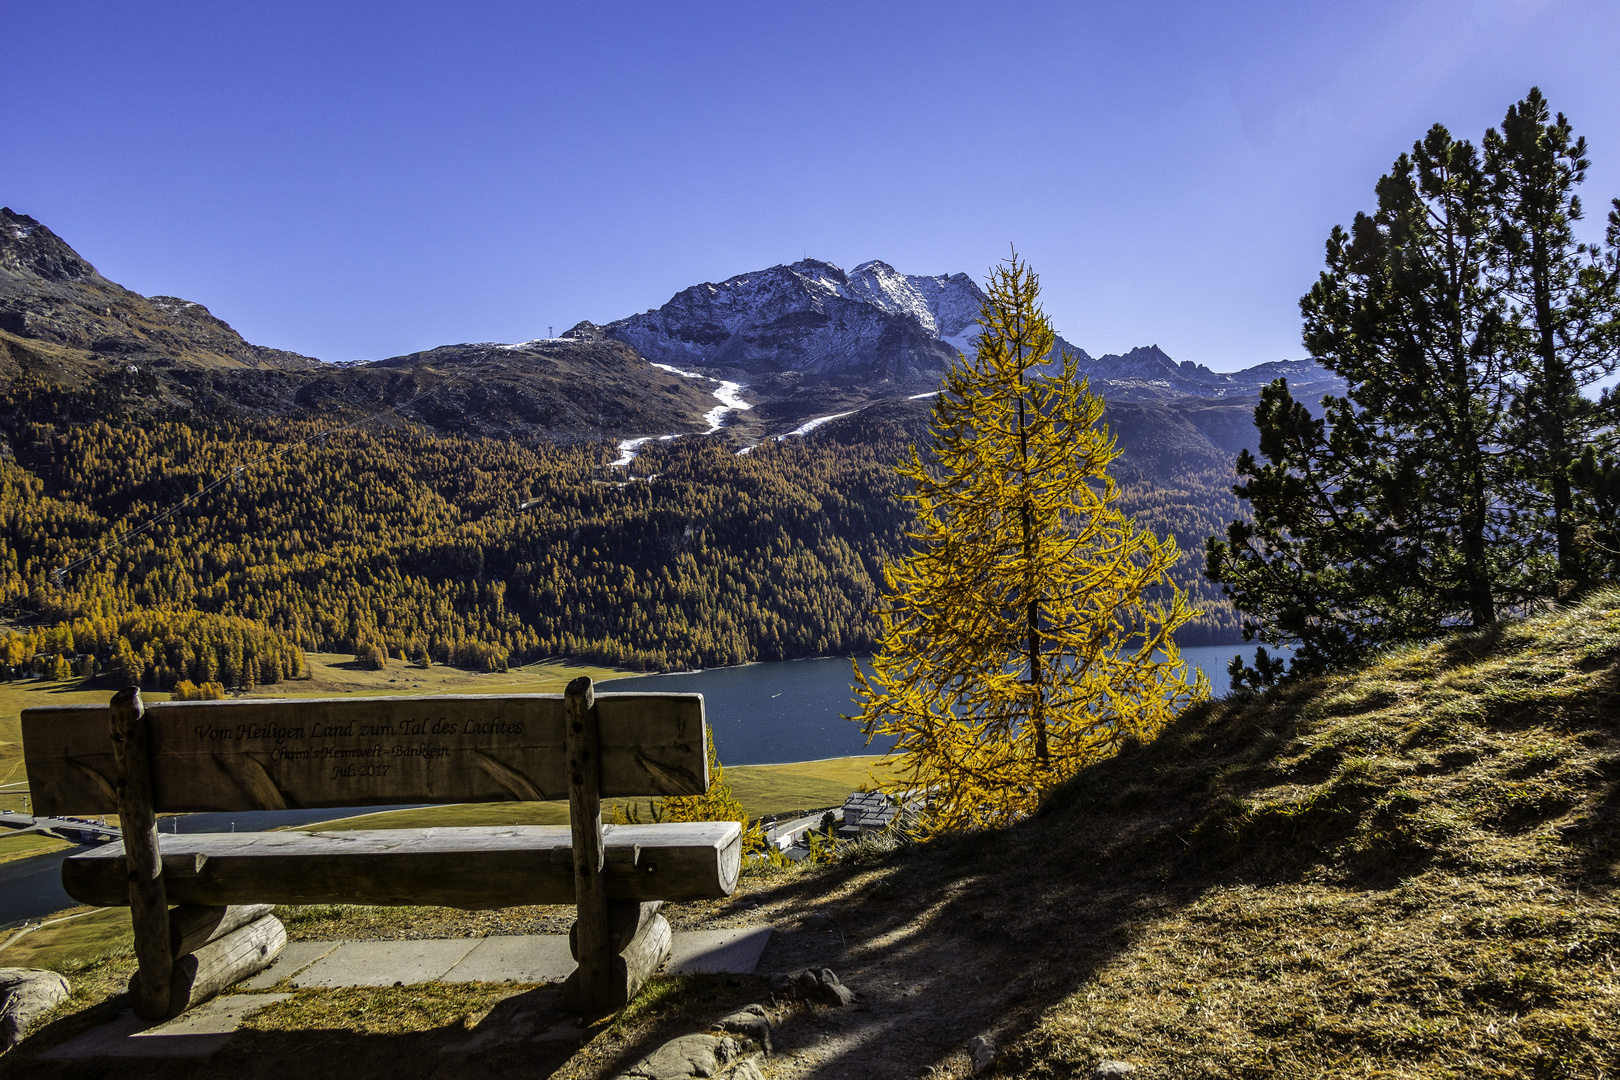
(355, 181)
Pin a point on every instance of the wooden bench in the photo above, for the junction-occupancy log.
(136, 761)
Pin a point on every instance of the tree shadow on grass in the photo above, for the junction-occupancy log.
(987, 934)
(982, 934)
(529, 1034)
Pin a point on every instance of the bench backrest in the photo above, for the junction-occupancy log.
(289, 753)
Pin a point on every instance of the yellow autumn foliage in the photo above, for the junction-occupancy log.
(716, 804)
(1029, 632)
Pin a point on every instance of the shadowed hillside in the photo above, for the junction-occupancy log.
(1407, 870)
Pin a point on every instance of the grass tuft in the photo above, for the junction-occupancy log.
(371, 1010)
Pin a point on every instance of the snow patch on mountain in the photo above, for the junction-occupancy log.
(729, 394)
(520, 345)
(628, 450)
(805, 428)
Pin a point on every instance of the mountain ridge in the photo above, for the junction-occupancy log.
(806, 340)
(50, 293)
(874, 326)
(807, 317)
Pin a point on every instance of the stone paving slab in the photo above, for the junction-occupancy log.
(733, 952)
(524, 958)
(507, 958)
(200, 1032)
(385, 963)
(294, 957)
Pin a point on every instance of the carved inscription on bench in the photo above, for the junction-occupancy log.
(365, 751)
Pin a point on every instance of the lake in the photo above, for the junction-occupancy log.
(792, 710)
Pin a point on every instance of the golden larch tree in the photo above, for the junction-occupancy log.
(1030, 630)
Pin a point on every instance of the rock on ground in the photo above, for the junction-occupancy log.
(750, 1023)
(26, 994)
(821, 987)
(687, 1056)
(982, 1049)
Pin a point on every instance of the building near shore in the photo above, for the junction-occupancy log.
(867, 812)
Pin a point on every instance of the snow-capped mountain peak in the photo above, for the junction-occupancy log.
(945, 304)
(812, 317)
(810, 320)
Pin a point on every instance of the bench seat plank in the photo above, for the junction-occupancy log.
(472, 868)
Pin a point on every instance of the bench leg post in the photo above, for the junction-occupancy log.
(595, 992)
(148, 899)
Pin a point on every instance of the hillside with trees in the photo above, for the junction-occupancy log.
(282, 504)
(264, 538)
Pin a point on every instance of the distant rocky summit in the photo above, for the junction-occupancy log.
(875, 326)
(1147, 374)
(871, 326)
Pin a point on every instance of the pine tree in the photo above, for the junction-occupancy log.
(1029, 631)
(1566, 298)
(1457, 478)
(1383, 520)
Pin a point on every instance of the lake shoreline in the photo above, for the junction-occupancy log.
(1239, 645)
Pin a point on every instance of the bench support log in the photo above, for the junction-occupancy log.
(191, 926)
(148, 901)
(641, 943)
(626, 919)
(644, 955)
(224, 962)
(594, 996)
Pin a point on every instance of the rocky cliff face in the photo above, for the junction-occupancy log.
(29, 249)
(945, 306)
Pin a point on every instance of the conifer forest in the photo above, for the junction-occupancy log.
(169, 549)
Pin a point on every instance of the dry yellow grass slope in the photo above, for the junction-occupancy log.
(1408, 870)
